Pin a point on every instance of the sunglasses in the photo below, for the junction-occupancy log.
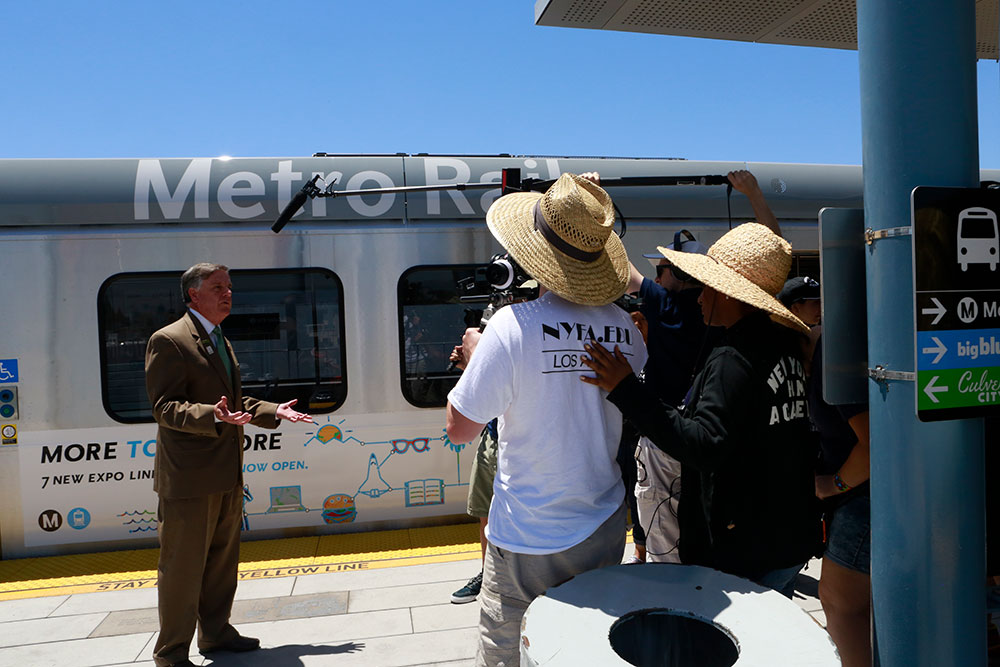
(419, 445)
(677, 273)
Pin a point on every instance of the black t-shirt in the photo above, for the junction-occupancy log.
(836, 437)
(676, 339)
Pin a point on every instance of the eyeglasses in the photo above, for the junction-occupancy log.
(419, 445)
(677, 273)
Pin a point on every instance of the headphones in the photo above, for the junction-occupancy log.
(678, 244)
(678, 241)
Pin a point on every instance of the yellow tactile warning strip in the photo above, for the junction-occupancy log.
(123, 570)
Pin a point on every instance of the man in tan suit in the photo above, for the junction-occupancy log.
(192, 377)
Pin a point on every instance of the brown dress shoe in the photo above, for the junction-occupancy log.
(239, 644)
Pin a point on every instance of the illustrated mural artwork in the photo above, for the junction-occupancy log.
(342, 507)
(139, 521)
(324, 474)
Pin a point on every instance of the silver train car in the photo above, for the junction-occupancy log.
(352, 309)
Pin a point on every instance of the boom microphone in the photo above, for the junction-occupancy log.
(298, 201)
(510, 181)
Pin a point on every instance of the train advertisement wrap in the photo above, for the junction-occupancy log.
(352, 310)
(340, 470)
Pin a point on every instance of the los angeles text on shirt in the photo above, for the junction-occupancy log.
(567, 360)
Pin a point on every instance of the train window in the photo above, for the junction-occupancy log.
(805, 264)
(432, 317)
(286, 329)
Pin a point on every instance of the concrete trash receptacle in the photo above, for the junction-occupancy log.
(668, 615)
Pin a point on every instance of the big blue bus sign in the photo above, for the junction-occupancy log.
(956, 278)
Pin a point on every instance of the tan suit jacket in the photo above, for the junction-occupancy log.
(195, 455)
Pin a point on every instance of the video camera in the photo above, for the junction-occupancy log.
(499, 283)
(629, 302)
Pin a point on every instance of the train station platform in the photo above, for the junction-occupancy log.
(378, 599)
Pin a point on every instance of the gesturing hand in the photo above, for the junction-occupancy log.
(223, 414)
(285, 411)
(610, 369)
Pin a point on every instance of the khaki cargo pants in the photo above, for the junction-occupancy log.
(512, 580)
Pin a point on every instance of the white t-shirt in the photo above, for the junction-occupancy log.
(557, 480)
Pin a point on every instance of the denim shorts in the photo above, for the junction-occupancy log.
(849, 533)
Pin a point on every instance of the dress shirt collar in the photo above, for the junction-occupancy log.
(209, 327)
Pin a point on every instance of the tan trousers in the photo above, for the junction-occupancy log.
(197, 572)
(511, 581)
(657, 492)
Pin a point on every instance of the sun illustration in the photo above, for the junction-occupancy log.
(328, 433)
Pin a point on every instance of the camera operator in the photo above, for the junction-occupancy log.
(557, 506)
(509, 285)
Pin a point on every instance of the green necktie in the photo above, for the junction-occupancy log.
(220, 344)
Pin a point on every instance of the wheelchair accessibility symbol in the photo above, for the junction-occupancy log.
(8, 370)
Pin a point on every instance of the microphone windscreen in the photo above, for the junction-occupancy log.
(298, 201)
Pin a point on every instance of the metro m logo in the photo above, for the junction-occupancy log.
(50, 520)
(968, 310)
(149, 176)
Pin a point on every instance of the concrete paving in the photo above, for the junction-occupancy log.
(393, 617)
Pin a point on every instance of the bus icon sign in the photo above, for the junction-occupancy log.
(977, 239)
(956, 302)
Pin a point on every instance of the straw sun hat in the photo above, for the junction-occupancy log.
(564, 239)
(748, 263)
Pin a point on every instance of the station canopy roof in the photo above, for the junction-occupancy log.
(826, 23)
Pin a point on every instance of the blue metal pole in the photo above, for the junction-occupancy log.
(919, 127)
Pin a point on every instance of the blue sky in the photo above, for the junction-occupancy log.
(180, 79)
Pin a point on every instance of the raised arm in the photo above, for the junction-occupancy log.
(745, 182)
(634, 279)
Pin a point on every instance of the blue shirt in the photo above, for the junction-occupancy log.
(678, 339)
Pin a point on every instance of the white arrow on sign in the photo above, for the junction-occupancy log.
(930, 389)
(939, 310)
(940, 348)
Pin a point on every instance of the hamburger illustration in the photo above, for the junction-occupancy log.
(339, 508)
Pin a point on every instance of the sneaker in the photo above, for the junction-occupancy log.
(469, 591)
(634, 560)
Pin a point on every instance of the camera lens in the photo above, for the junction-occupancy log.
(500, 272)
